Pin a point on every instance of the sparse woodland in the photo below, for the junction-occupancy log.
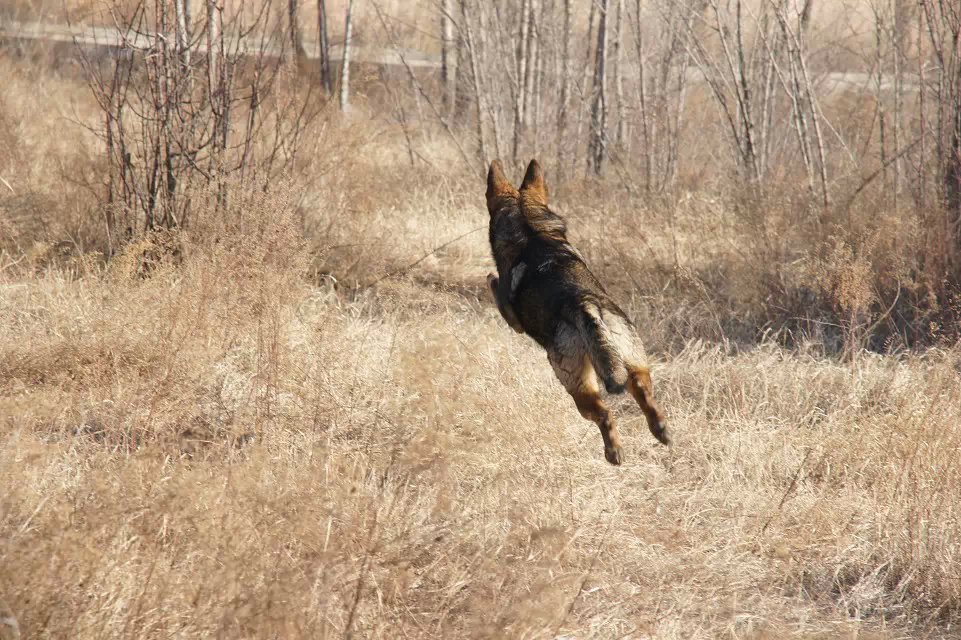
(252, 384)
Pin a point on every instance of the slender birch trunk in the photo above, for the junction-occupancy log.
(345, 66)
(520, 83)
(565, 73)
(182, 32)
(448, 55)
(620, 136)
(479, 101)
(598, 134)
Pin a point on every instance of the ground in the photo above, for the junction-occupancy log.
(227, 448)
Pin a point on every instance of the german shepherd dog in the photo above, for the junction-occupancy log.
(544, 288)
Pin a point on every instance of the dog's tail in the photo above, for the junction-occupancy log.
(607, 362)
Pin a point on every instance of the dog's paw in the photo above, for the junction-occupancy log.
(660, 431)
(614, 455)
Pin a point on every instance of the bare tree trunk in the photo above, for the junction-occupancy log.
(680, 22)
(520, 95)
(296, 40)
(745, 103)
(217, 88)
(537, 86)
(799, 117)
(345, 66)
(478, 87)
(325, 79)
(182, 34)
(446, 35)
(922, 126)
(943, 28)
(813, 105)
(646, 120)
(531, 66)
(492, 105)
(899, 56)
(565, 71)
(768, 97)
(620, 135)
(952, 173)
(522, 59)
(949, 55)
(166, 80)
(598, 133)
(587, 75)
(448, 57)
(879, 29)
(112, 182)
(460, 105)
(213, 39)
(674, 135)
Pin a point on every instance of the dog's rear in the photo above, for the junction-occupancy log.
(563, 306)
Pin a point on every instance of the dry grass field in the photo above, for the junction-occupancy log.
(311, 422)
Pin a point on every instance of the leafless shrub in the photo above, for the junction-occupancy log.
(184, 117)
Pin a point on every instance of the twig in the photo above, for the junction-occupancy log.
(868, 180)
(580, 589)
(790, 488)
(348, 630)
(369, 549)
(420, 88)
(391, 274)
(883, 316)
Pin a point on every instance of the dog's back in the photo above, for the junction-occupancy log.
(560, 303)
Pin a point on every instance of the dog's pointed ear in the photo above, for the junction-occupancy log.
(498, 186)
(534, 188)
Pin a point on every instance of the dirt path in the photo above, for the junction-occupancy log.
(112, 38)
(97, 37)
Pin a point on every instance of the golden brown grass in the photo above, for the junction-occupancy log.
(224, 450)
(258, 442)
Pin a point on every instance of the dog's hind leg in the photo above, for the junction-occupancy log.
(639, 384)
(591, 406)
(576, 373)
